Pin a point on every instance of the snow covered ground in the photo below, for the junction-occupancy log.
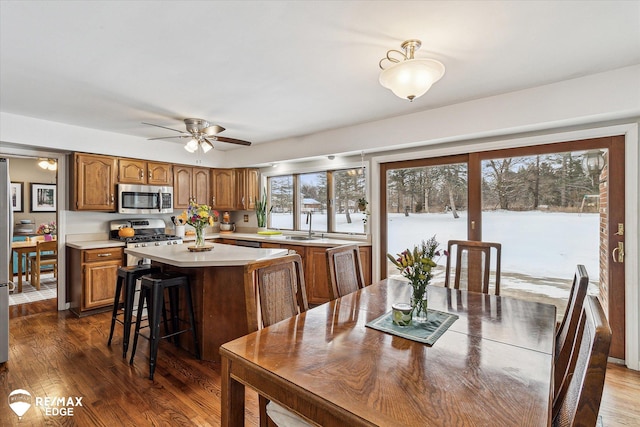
(540, 250)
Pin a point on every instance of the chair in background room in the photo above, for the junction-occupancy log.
(473, 265)
(46, 254)
(566, 333)
(344, 269)
(582, 389)
(278, 284)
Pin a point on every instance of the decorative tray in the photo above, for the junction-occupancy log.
(204, 248)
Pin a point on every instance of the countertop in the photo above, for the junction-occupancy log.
(254, 237)
(221, 255)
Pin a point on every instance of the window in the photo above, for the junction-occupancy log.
(325, 201)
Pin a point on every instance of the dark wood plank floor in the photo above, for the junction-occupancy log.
(55, 354)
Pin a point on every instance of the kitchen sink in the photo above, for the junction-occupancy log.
(301, 238)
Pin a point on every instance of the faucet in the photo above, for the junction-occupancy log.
(309, 217)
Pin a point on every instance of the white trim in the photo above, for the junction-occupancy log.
(632, 187)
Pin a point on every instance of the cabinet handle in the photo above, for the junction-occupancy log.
(104, 255)
(111, 197)
(149, 174)
(243, 206)
(141, 174)
(213, 200)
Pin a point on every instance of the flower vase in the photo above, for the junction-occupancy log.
(419, 304)
(48, 237)
(199, 237)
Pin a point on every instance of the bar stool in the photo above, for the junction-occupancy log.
(152, 292)
(127, 277)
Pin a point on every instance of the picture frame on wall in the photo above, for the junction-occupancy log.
(17, 196)
(43, 197)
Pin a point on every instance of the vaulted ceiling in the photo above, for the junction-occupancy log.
(268, 70)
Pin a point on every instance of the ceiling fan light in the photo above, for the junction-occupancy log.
(206, 146)
(48, 164)
(192, 145)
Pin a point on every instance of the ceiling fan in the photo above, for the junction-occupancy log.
(201, 133)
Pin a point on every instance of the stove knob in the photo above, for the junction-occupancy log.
(168, 242)
(136, 245)
(143, 245)
(175, 242)
(157, 243)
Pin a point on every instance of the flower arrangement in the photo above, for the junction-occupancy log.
(47, 228)
(416, 265)
(261, 209)
(198, 216)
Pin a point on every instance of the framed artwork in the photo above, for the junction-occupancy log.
(17, 196)
(43, 197)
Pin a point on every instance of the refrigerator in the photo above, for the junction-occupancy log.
(6, 235)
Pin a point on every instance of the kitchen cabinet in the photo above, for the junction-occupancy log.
(314, 261)
(91, 278)
(93, 186)
(190, 183)
(133, 171)
(223, 189)
(247, 188)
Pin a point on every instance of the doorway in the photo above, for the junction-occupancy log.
(35, 213)
(551, 206)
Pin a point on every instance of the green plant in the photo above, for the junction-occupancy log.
(362, 204)
(261, 209)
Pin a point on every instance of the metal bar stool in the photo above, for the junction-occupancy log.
(127, 277)
(152, 292)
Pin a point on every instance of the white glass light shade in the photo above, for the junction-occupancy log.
(206, 146)
(412, 78)
(48, 164)
(192, 145)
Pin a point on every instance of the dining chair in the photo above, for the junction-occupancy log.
(566, 333)
(46, 254)
(583, 387)
(473, 263)
(344, 269)
(278, 284)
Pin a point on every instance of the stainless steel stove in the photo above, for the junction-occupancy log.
(148, 232)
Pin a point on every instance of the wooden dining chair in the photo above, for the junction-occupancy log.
(566, 333)
(46, 254)
(344, 269)
(278, 284)
(473, 263)
(583, 387)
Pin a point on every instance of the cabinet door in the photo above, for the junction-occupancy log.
(315, 275)
(159, 174)
(251, 187)
(365, 259)
(181, 187)
(223, 189)
(100, 284)
(131, 171)
(201, 186)
(95, 182)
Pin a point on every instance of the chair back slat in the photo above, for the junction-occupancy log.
(473, 265)
(566, 333)
(582, 390)
(344, 269)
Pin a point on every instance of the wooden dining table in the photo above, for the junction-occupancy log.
(492, 366)
(23, 249)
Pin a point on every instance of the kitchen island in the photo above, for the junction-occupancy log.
(220, 296)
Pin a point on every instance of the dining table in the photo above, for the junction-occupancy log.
(492, 366)
(22, 249)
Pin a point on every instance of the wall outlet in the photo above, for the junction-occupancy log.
(246, 218)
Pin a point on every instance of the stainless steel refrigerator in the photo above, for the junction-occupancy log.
(6, 235)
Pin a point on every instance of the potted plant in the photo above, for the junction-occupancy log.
(261, 210)
(362, 204)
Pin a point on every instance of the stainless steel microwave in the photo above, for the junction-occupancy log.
(144, 199)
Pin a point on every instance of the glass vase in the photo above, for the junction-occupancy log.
(199, 237)
(419, 304)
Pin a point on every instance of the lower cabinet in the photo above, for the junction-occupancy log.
(314, 260)
(92, 275)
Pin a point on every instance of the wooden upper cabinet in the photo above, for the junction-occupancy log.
(190, 184)
(94, 182)
(247, 189)
(132, 171)
(223, 189)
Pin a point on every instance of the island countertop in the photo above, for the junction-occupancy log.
(220, 256)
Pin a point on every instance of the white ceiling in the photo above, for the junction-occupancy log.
(268, 70)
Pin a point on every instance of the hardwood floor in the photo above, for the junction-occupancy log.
(55, 354)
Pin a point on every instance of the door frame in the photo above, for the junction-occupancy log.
(632, 204)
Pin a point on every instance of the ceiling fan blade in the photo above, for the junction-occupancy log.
(212, 130)
(170, 137)
(163, 127)
(231, 140)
